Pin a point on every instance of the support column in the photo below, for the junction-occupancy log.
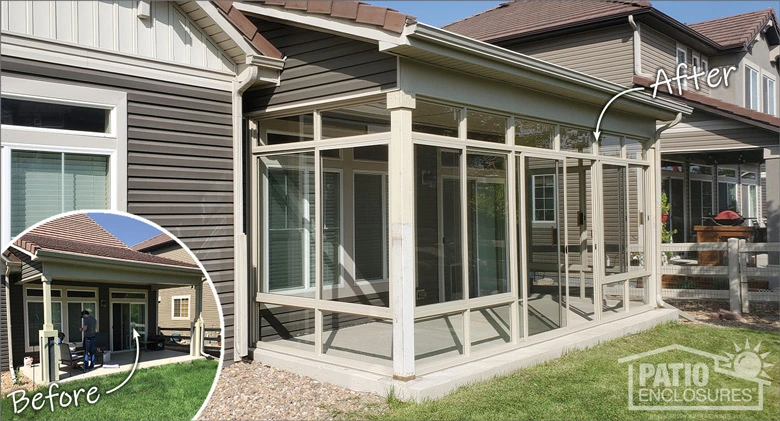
(47, 337)
(402, 242)
(196, 341)
(772, 162)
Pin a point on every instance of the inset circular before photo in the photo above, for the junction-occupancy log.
(106, 315)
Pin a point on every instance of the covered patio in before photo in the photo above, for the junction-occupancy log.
(459, 210)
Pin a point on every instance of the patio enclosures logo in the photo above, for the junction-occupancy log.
(677, 377)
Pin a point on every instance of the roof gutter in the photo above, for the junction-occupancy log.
(499, 55)
(97, 261)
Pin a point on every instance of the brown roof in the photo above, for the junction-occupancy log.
(360, 12)
(80, 234)
(734, 30)
(153, 242)
(247, 29)
(530, 16)
(696, 98)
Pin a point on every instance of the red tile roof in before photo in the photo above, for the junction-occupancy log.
(80, 234)
(735, 30)
(532, 16)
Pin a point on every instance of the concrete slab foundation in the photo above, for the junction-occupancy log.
(439, 383)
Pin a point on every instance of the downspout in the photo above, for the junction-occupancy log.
(637, 48)
(659, 301)
(240, 288)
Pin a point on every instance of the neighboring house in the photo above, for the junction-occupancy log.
(176, 306)
(400, 199)
(72, 264)
(133, 106)
(726, 154)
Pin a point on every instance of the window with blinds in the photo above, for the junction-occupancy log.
(44, 184)
(370, 226)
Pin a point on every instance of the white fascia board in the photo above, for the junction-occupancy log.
(226, 26)
(322, 22)
(69, 54)
(491, 53)
(119, 265)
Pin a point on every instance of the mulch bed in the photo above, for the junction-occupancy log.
(763, 315)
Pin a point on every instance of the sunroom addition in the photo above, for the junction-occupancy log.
(402, 234)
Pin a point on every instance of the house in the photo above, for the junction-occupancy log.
(722, 156)
(71, 264)
(135, 106)
(176, 306)
(371, 194)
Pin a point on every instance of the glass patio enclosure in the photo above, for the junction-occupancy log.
(402, 235)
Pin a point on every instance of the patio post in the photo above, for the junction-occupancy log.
(196, 340)
(47, 337)
(402, 241)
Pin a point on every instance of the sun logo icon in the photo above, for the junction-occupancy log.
(747, 362)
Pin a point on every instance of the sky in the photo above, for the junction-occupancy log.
(439, 13)
(128, 230)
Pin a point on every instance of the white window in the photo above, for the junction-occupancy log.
(682, 58)
(544, 198)
(64, 148)
(751, 88)
(370, 224)
(769, 95)
(180, 307)
(705, 67)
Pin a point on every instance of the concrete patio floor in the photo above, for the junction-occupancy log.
(124, 360)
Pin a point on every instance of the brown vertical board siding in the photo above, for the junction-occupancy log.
(321, 65)
(180, 166)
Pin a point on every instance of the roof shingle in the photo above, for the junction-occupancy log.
(358, 11)
(734, 30)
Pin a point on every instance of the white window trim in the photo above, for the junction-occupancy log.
(63, 300)
(747, 64)
(173, 307)
(112, 144)
(533, 199)
(765, 75)
(684, 50)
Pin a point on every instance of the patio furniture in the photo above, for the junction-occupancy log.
(66, 357)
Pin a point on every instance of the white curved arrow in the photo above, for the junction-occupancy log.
(137, 354)
(598, 124)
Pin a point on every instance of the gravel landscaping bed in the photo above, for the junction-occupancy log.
(253, 391)
(7, 384)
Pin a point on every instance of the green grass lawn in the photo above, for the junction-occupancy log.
(592, 385)
(169, 392)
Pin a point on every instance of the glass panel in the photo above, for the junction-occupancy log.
(579, 239)
(356, 120)
(543, 258)
(134, 295)
(534, 134)
(358, 338)
(438, 225)
(289, 222)
(45, 115)
(638, 292)
(44, 184)
(700, 169)
(615, 216)
(769, 96)
(37, 292)
(35, 319)
(81, 294)
(727, 197)
(609, 145)
(490, 327)
(371, 153)
(436, 119)
(487, 224)
(331, 228)
(575, 140)
(672, 166)
(637, 214)
(370, 205)
(289, 326)
(487, 127)
(635, 149)
(297, 128)
(673, 188)
(438, 338)
(749, 175)
(138, 320)
(727, 172)
(613, 301)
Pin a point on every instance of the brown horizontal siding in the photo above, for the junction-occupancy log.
(703, 140)
(606, 53)
(180, 166)
(321, 65)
